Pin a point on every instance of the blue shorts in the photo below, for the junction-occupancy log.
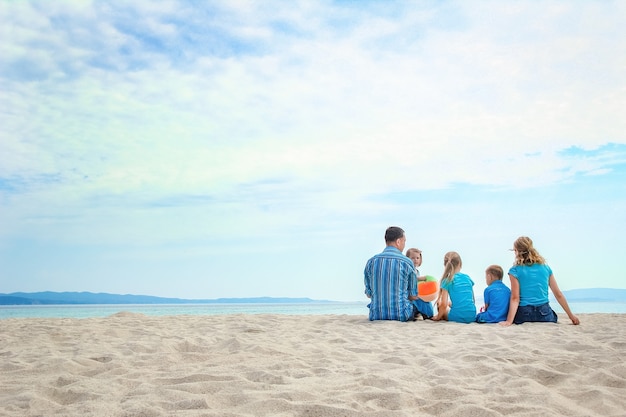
(541, 313)
(424, 308)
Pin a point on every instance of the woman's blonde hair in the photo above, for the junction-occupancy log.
(525, 253)
(451, 261)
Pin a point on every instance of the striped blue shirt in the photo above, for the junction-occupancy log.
(389, 281)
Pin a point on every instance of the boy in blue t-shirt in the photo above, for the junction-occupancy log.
(497, 297)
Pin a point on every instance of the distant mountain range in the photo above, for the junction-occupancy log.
(50, 298)
(590, 295)
(595, 295)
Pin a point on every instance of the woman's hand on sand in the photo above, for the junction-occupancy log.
(505, 323)
(575, 320)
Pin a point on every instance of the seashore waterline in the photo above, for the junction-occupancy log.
(332, 308)
(211, 309)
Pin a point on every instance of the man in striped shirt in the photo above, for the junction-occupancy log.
(390, 280)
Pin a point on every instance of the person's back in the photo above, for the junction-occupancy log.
(461, 291)
(459, 287)
(497, 297)
(533, 281)
(530, 279)
(390, 280)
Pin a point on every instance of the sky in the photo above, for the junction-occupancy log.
(261, 148)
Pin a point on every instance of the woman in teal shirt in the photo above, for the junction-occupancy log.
(459, 287)
(530, 279)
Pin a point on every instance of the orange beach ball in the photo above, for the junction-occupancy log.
(427, 290)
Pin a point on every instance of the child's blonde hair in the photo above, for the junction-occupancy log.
(451, 261)
(496, 271)
(411, 250)
(526, 254)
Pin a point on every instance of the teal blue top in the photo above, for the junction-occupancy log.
(460, 289)
(533, 283)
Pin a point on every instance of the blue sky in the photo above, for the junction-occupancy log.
(241, 149)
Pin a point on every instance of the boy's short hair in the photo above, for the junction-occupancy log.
(496, 271)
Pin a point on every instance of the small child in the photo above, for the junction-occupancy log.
(497, 296)
(424, 308)
(459, 287)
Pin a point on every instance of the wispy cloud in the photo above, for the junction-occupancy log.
(174, 96)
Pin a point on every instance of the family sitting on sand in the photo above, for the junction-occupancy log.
(391, 282)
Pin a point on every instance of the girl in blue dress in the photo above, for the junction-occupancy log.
(459, 288)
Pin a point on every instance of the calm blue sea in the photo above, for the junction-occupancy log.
(104, 310)
(355, 308)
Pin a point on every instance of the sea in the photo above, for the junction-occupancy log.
(335, 308)
(104, 310)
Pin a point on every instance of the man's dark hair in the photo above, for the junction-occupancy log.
(393, 233)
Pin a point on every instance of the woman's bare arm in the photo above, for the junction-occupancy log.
(561, 300)
(513, 303)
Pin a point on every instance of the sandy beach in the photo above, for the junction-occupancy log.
(278, 365)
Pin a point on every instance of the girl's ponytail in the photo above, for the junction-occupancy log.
(451, 261)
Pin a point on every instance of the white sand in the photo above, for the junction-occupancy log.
(275, 365)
